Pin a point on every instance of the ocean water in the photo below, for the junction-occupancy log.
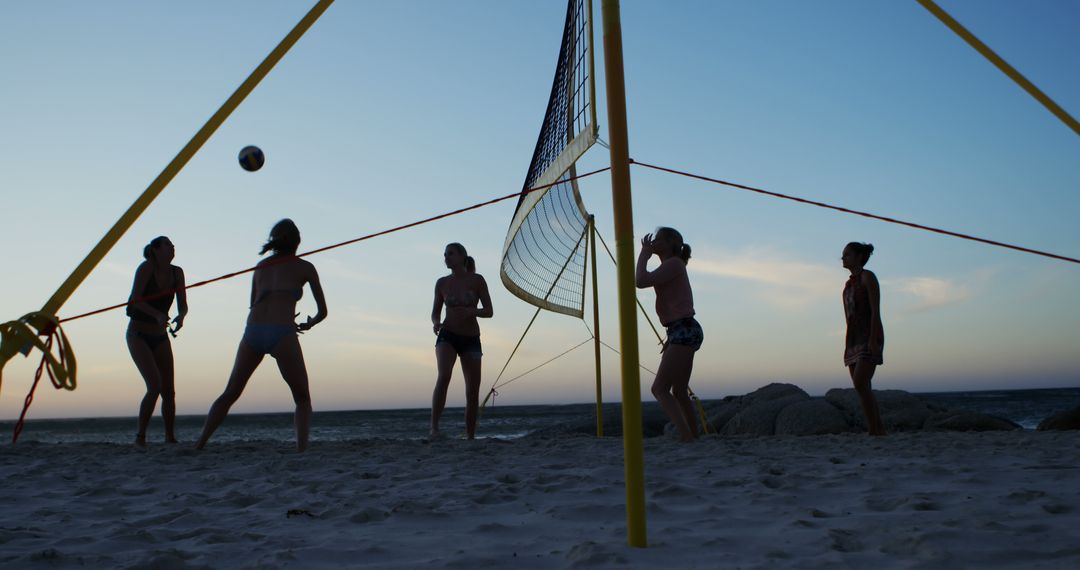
(1025, 407)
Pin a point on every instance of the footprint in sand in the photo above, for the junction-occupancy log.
(926, 505)
(845, 540)
(369, 515)
(1023, 497)
(591, 554)
(885, 504)
(772, 482)
(1056, 508)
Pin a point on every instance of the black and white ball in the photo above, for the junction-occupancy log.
(251, 158)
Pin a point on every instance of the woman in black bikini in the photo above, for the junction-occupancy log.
(157, 281)
(459, 333)
(865, 339)
(276, 286)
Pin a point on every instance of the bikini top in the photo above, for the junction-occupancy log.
(162, 303)
(467, 299)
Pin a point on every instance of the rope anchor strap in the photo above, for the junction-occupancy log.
(19, 336)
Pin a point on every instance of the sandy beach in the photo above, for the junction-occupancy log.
(913, 500)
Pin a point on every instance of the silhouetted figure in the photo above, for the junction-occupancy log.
(276, 286)
(675, 309)
(157, 281)
(865, 339)
(458, 333)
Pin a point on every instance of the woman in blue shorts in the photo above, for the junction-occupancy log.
(276, 286)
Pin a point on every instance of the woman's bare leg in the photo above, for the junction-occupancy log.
(675, 367)
(148, 369)
(290, 361)
(445, 357)
(861, 374)
(164, 357)
(680, 387)
(470, 369)
(247, 360)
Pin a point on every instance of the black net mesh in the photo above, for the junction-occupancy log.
(544, 256)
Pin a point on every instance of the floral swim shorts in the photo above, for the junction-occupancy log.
(686, 332)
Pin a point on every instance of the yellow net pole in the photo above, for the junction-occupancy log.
(633, 448)
(596, 331)
(1001, 64)
(52, 306)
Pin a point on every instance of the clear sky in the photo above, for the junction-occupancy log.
(388, 112)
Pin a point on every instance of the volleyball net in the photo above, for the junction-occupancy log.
(543, 261)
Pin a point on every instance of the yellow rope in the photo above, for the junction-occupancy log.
(509, 358)
(1001, 64)
(18, 335)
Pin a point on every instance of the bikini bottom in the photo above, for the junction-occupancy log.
(462, 344)
(152, 340)
(263, 338)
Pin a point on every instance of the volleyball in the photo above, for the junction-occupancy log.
(251, 158)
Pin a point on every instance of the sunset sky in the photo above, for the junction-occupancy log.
(389, 112)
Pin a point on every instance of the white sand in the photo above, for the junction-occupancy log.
(933, 500)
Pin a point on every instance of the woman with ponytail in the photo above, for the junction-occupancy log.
(276, 286)
(675, 309)
(865, 339)
(157, 282)
(458, 334)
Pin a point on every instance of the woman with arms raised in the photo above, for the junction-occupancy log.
(675, 309)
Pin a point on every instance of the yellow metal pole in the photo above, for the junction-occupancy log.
(633, 449)
(125, 222)
(596, 331)
(1001, 64)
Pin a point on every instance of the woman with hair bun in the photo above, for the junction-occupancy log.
(865, 339)
(276, 286)
(458, 334)
(157, 282)
(675, 309)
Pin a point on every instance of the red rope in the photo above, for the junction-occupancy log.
(858, 213)
(33, 387)
(342, 244)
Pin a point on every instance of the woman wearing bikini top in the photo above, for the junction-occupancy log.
(276, 286)
(157, 281)
(458, 333)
